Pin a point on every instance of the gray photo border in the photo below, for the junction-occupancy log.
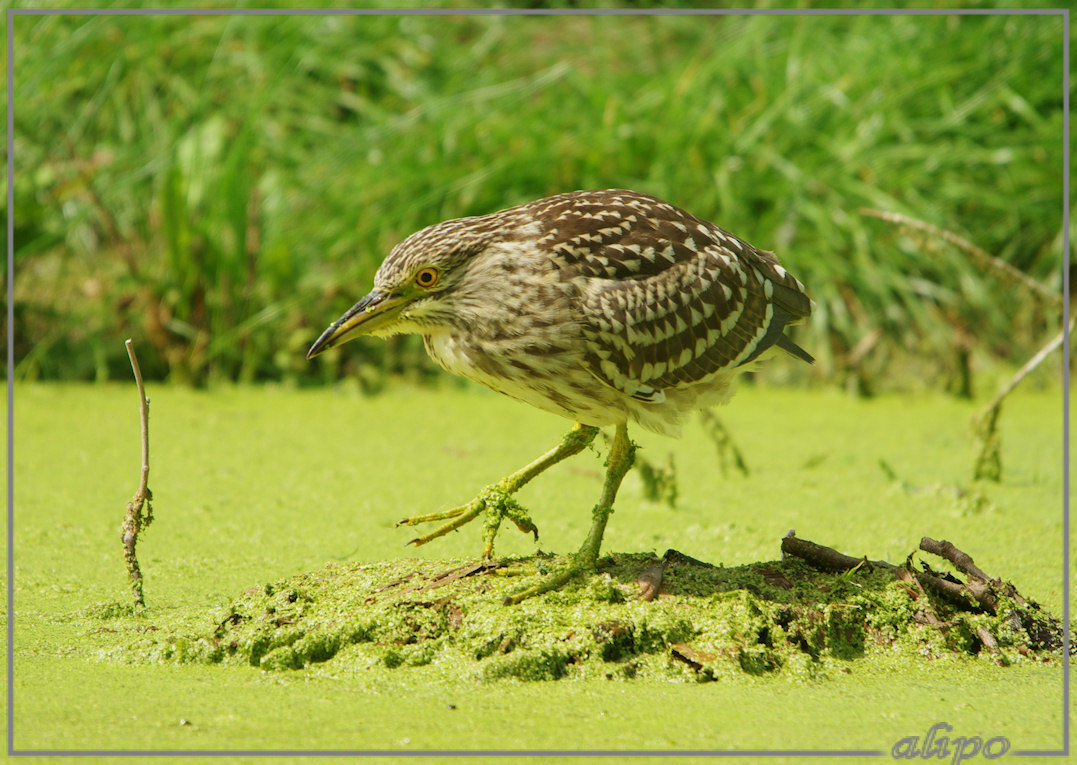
(13, 13)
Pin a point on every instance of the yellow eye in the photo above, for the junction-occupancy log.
(427, 277)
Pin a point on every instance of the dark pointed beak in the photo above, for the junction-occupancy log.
(370, 314)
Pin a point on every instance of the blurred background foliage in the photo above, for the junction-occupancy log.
(221, 187)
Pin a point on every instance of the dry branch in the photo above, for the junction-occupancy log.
(988, 462)
(976, 594)
(980, 593)
(989, 459)
(825, 558)
(134, 519)
(962, 560)
(979, 256)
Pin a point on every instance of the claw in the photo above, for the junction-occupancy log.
(496, 501)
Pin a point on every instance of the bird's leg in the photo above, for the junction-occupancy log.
(618, 463)
(496, 500)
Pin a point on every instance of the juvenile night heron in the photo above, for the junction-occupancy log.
(600, 306)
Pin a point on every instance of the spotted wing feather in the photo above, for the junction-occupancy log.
(665, 299)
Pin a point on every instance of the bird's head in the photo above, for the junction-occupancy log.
(414, 288)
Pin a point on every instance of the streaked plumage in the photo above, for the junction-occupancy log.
(601, 306)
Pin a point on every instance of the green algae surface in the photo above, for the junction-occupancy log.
(285, 612)
(706, 623)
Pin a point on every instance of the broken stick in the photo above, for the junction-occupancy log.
(135, 520)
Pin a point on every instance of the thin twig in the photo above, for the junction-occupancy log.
(980, 256)
(989, 460)
(134, 520)
(961, 560)
(1030, 365)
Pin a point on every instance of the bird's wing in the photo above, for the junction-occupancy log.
(667, 300)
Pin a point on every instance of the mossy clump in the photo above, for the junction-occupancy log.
(780, 618)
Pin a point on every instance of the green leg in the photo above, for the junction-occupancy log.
(496, 501)
(620, 460)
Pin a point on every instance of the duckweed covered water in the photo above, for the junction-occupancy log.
(257, 486)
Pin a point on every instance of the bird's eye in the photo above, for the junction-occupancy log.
(427, 277)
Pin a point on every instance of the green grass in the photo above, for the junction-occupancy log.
(222, 187)
(254, 485)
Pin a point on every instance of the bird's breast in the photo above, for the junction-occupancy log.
(536, 370)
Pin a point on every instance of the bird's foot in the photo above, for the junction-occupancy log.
(496, 503)
(579, 565)
(496, 500)
(585, 561)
